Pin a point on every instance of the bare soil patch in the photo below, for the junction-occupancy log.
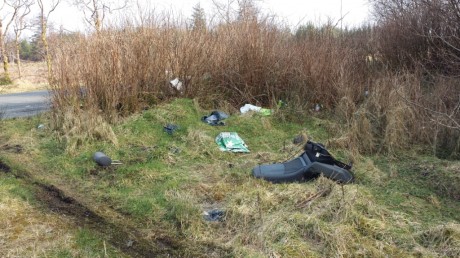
(12, 148)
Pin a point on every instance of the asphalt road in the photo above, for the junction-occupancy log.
(24, 104)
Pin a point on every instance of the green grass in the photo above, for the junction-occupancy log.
(5, 80)
(422, 187)
(91, 245)
(23, 217)
(166, 182)
(14, 188)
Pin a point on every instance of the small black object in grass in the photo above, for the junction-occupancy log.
(214, 215)
(170, 128)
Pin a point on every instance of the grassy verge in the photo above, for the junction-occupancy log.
(405, 206)
(29, 230)
(33, 77)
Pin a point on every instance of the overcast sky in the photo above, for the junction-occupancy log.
(293, 12)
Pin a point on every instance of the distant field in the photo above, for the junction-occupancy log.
(33, 78)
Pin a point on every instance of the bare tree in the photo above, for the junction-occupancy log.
(247, 10)
(426, 31)
(23, 8)
(95, 11)
(223, 10)
(10, 17)
(426, 34)
(44, 15)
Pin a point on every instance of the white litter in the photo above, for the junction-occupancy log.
(248, 107)
(177, 84)
(317, 108)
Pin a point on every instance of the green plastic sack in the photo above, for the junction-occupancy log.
(266, 112)
(230, 141)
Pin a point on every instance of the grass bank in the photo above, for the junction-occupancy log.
(29, 228)
(401, 205)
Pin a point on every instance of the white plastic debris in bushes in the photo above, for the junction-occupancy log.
(249, 107)
(317, 107)
(177, 84)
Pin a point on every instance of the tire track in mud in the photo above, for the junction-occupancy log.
(125, 238)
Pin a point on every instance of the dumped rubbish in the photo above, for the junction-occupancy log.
(176, 84)
(103, 160)
(281, 104)
(249, 107)
(170, 128)
(214, 215)
(215, 118)
(266, 112)
(317, 107)
(230, 141)
(314, 161)
(41, 127)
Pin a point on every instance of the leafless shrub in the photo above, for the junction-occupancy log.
(248, 60)
(422, 38)
(123, 69)
(420, 31)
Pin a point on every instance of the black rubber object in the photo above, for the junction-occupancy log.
(300, 169)
(101, 159)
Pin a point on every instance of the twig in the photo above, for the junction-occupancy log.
(304, 203)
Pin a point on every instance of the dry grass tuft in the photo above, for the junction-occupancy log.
(445, 239)
(361, 133)
(323, 216)
(399, 119)
(80, 126)
(28, 232)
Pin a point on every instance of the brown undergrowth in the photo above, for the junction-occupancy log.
(126, 69)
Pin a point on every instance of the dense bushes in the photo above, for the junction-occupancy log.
(420, 32)
(384, 97)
